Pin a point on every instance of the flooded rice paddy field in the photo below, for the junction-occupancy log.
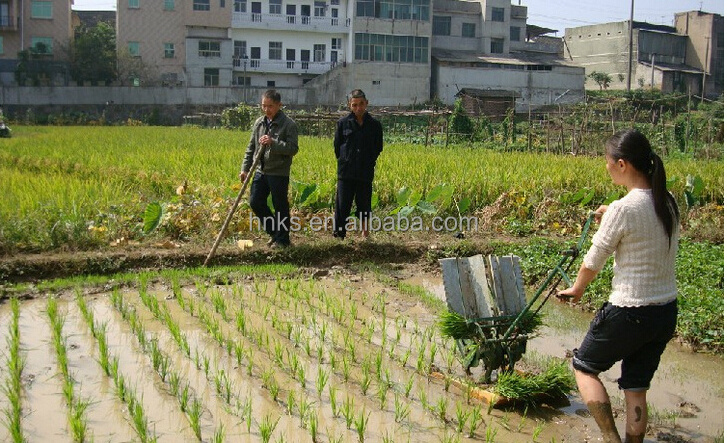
(343, 357)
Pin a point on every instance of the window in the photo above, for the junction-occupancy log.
(290, 58)
(335, 2)
(169, 5)
(498, 14)
(319, 9)
(276, 6)
(168, 50)
(255, 57)
(133, 4)
(468, 30)
(239, 49)
(336, 43)
(2, 46)
(398, 9)
(319, 53)
(275, 51)
(40, 9)
(515, 33)
(133, 49)
(41, 45)
(240, 5)
(497, 46)
(208, 49)
(394, 48)
(441, 25)
(271, 83)
(211, 77)
(201, 5)
(241, 80)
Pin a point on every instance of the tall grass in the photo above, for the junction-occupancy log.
(12, 385)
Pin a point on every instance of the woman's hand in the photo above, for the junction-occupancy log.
(571, 294)
(598, 213)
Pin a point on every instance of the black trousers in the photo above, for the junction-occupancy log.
(346, 192)
(277, 224)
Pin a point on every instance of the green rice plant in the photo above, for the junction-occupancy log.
(12, 387)
(290, 402)
(301, 376)
(440, 409)
(278, 353)
(346, 369)
(347, 411)
(313, 426)
(381, 392)
(267, 427)
(538, 429)
(473, 420)
(401, 409)
(523, 419)
(174, 382)
(304, 407)
(321, 380)
(332, 397)
(140, 421)
(361, 422)
(405, 357)
(424, 398)
(219, 435)
(420, 358)
(490, 433)
(77, 418)
(194, 415)
(241, 322)
(246, 408)
(365, 380)
(555, 382)
(408, 385)
(460, 417)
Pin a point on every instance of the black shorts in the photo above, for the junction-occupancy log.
(635, 335)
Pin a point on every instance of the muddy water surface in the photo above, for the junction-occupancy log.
(338, 358)
(686, 398)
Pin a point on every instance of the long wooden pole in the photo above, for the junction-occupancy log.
(255, 162)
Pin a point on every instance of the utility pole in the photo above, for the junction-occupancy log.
(631, 47)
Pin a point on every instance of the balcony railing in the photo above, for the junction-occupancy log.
(281, 66)
(284, 22)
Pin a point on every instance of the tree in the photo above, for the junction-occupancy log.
(94, 54)
(601, 78)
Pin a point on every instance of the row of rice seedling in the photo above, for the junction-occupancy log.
(12, 386)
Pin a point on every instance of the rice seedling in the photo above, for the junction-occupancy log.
(473, 420)
(405, 357)
(460, 417)
(194, 415)
(538, 429)
(401, 409)
(139, 420)
(440, 409)
(77, 418)
(12, 387)
(219, 435)
(381, 392)
(424, 398)
(247, 412)
(555, 382)
(523, 419)
(360, 423)
(332, 397)
(290, 402)
(490, 433)
(365, 380)
(321, 380)
(267, 427)
(347, 411)
(408, 385)
(304, 407)
(313, 425)
(301, 376)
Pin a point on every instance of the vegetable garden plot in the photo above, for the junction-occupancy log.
(267, 360)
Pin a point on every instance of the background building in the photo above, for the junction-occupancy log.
(668, 58)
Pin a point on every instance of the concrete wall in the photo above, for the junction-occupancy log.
(536, 88)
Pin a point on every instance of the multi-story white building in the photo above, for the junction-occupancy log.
(397, 51)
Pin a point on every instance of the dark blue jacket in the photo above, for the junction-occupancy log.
(357, 147)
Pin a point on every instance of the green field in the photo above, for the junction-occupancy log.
(80, 188)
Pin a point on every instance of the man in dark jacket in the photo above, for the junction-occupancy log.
(358, 142)
(277, 134)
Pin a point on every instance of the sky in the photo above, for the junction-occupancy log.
(561, 14)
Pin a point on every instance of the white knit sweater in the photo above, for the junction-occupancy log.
(643, 258)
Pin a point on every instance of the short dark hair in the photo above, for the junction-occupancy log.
(357, 93)
(272, 94)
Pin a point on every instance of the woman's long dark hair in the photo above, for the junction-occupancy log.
(634, 147)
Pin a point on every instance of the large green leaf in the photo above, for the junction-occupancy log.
(402, 197)
(153, 215)
(463, 205)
